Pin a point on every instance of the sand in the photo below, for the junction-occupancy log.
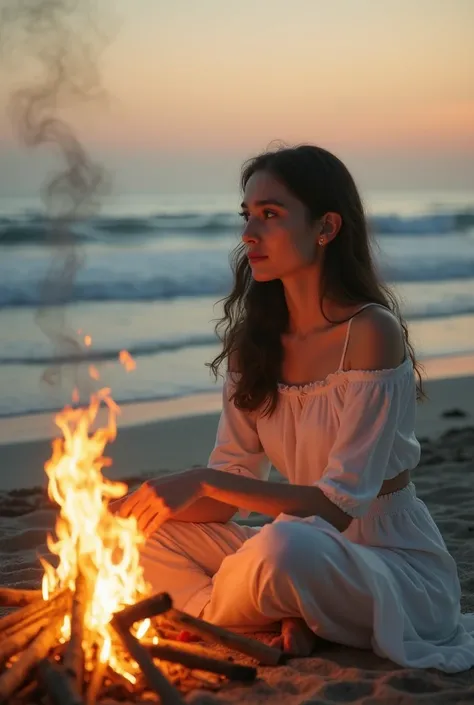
(334, 674)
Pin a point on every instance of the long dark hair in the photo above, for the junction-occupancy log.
(256, 314)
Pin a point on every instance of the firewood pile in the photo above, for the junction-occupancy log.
(38, 666)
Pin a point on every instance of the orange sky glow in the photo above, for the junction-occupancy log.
(367, 79)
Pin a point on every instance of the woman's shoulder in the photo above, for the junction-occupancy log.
(376, 342)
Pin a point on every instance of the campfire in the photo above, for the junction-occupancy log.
(94, 629)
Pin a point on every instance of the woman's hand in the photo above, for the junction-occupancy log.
(160, 499)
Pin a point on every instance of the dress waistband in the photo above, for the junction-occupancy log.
(393, 502)
(396, 483)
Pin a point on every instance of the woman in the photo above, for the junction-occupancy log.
(321, 382)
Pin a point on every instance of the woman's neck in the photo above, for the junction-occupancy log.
(302, 294)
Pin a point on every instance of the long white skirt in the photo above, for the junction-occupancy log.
(387, 583)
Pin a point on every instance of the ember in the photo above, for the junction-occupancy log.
(93, 627)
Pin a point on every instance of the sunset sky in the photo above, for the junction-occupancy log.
(196, 87)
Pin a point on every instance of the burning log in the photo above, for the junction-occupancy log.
(96, 681)
(144, 609)
(209, 679)
(30, 692)
(192, 657)
(39, 648)
(118, 685)
(100, 670)
(12, 597)
(22, 631)
(17, 641)
(33, 612)
(74, 653)
(170, 631)
(264, 654)
(156, 680)
(58, 684)
(162, 604)
(193, 648)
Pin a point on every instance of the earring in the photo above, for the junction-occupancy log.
(321, 241)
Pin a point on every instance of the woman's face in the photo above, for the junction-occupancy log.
(279, 237)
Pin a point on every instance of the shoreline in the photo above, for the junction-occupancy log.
(37, 426)
(167, 436)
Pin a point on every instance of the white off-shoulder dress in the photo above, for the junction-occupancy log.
(386, 583)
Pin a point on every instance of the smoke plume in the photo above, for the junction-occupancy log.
(62, 39)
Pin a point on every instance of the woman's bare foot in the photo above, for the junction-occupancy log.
(296, 638)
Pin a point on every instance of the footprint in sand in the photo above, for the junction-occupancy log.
(414, 683)
(347, 691)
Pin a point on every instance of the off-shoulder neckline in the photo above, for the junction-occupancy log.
(341, 376)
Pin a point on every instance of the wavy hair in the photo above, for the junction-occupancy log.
(255, 314)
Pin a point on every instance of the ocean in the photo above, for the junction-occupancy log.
(153, 268)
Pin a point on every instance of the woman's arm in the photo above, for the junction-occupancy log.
(206, 510)
(202, 510)
(224, 492)
(209, 495)
(273, 498)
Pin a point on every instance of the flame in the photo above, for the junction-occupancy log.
(90, 539)
(94, 372)
(127, 360)
(105, 651)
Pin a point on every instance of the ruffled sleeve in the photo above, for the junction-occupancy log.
(364, 444)
(238, 448)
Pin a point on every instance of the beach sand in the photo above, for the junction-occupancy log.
(444, 480)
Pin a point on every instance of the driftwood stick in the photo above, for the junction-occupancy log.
(11, 597)
(167, 632)
(191, 658)
(193, 647)
(30, 692)
(118, 679)
(58, 684)
(264, 654)
(96, 681)
(13, 677)
(156, 680)
(8, 621)
(117, 687)
(32, 612)
(28, 629)
(12, 644)
(210, 679)
(74, 653)
(149, 607)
